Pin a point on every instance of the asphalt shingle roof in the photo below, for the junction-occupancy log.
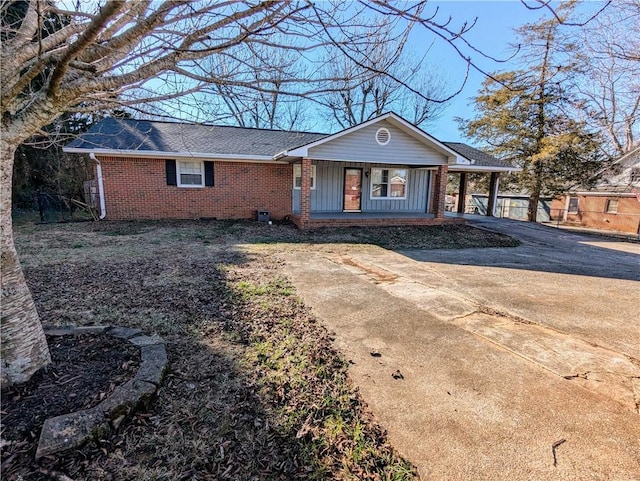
(145, 135)
(175, 137)
(482, 159)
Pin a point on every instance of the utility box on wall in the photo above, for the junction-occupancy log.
(263, 216)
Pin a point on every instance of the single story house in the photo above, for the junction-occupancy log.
(384, 171)
(612, 204)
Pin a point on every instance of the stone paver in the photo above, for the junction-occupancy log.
(491, 383)
(69, 431)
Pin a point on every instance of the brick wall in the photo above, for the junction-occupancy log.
(591, 213)
(136, 188)
(440, 190)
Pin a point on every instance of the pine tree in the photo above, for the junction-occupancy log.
(525, 116)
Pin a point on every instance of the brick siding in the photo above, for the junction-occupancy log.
(591, 213)
(440, 190)
(136, 188)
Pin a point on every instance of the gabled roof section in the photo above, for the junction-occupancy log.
(621, 175)
(632, 156)
(391, 117)
(145, 137)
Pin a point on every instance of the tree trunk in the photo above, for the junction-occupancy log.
(24, 347)
(532, 211)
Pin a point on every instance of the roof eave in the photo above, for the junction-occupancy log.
(624, 157)
(482, 168)
(170, 155)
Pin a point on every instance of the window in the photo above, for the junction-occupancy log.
(611, 206)
(573, 205)
(388, 183)
(297, 176)
(635, 175)
(190, 174)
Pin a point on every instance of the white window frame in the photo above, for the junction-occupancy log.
(577, 208)
(178, 174)
(297, 173)
(388, 197)
(611, 206)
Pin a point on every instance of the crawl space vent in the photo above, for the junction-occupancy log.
(383, 136)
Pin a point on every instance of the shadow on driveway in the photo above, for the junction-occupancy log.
(544, 249)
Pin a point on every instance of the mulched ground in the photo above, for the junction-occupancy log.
(84, 370)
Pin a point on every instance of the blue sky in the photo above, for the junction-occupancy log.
(492, 34)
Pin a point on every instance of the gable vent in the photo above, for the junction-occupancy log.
(383, 136)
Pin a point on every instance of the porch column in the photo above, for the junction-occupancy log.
(305, 193)
(462, 192)
(440, 191)
(494, 181)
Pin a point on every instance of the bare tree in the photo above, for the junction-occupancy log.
(272, 102)
(133, 52)
(356, 93)
(609, 58)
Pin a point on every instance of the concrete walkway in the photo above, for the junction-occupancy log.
(514, 364)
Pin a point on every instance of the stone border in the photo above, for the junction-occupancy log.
(74, 429)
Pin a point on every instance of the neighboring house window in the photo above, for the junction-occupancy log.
(388, 183)
(189, 173)
(635, 175)
(611, 206)
(297, 177)
(573, 205)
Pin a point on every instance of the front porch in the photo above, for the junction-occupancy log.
(372, 219)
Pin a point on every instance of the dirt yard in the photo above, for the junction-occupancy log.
(255, 389)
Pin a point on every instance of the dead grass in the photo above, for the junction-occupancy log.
(255, 389)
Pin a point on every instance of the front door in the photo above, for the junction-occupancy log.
(352, 189)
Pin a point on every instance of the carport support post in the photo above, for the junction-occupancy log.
(305, 193)
(462, 192)
(441, 190)
(494, 181)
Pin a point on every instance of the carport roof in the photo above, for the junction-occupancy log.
(478, 158)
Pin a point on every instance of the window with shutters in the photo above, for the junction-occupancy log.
(189, 173)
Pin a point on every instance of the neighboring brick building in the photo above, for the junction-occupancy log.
(382, 172)
(612, 204)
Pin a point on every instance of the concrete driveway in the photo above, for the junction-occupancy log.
(493, 364)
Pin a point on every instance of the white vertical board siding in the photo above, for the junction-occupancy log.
(361, 146)
(329, 192)
(295, 201)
